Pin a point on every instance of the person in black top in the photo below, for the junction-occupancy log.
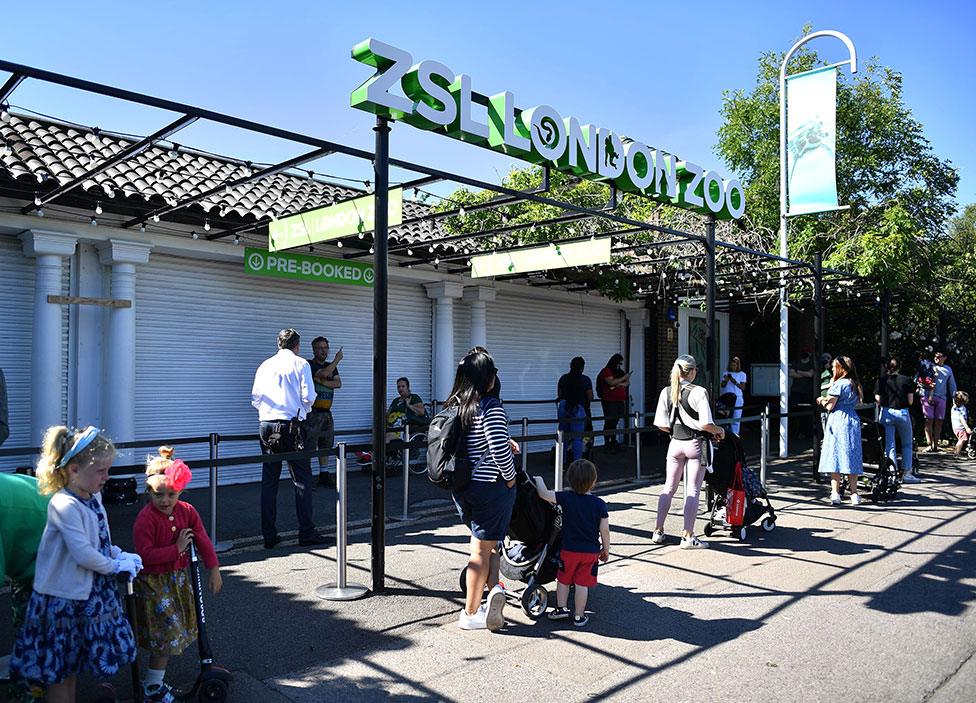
(802, 371)
(574, 393)
(894, 393)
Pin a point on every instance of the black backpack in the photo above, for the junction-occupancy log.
(447, 466)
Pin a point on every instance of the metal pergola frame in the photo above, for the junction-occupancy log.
(381, 163)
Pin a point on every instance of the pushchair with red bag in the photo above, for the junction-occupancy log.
(735, 490)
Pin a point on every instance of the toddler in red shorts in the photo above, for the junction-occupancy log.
(585, 538)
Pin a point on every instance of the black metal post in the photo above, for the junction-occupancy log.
(381, 177)
(818, 346)
(885, 325)
(711, 363)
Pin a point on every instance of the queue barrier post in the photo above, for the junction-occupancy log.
(341, 589)
(525, 445)
(560, 448)
(637, 442)
(764, 445)
(406, 473)
(214, 455)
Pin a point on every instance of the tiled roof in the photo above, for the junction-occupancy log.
(38, 155)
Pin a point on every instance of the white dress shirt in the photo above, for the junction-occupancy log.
(283, 387)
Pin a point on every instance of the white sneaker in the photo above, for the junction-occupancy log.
(693, 543)
(910, 478)
(472, 622)
(495, 618)
(855, 499)
(835, 498)
(657, 537)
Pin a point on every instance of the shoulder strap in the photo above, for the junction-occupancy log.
(685, 394)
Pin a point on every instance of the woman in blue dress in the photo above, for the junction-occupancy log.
(841, 452)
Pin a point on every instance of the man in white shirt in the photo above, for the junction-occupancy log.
(282, 394)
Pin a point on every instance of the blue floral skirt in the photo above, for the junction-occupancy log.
(61, 637)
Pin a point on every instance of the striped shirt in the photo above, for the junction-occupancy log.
(488, 437)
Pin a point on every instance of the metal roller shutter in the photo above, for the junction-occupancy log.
(204, 327)
(533, 341)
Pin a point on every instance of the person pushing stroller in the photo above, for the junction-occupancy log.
(585, 538)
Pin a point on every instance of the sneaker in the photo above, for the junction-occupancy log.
(157, 693)
(910, 478)
(835, 498)
(657, 537)
(559, 614)
(472, 622)
(855, 499)
(580, 620)
(693, 543)
(313, 540)
(495, 618)
(270, 543)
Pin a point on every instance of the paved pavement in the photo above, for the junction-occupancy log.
(859, 604)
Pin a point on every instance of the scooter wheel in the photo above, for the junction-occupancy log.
(463, 581)
(709, 530)
(534, 601)
(213, 690)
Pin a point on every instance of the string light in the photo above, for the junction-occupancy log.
(206, 225)
(339, 244)
(37, 200)
(409, 252)
(372, 250)
(155, 217)
(98, 208)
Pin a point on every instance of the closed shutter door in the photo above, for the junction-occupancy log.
(16, 328)
(204, 327)
(533, 341)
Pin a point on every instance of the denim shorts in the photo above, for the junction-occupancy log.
(486, 508)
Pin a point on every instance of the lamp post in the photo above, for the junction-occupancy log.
(784, 313)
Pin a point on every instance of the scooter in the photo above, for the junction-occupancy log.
(213, 681)
(106, 691)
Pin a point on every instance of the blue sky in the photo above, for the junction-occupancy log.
(651, 70)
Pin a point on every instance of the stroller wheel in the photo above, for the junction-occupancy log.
(768, 525)
(742, 533)
(709, 530)
(534, 601)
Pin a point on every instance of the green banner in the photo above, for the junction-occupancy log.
(811, 116)
(303, 267)
(331, 222)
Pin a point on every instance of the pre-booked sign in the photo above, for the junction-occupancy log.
(302, 267)
(331, 222)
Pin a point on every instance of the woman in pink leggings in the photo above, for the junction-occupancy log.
(683, 411)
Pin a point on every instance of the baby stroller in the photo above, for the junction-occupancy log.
(882, 485)
(729, 454)
(530, 551)
(725, 405)
(970, 448)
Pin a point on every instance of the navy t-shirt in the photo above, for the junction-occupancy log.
(581, 520)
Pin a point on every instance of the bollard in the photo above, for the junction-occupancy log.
(341, 589)
(637, 448)
(214, 455)
(406, 474)
(559, 461)
(525, 445)
(763, 445)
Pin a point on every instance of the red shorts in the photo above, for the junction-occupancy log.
(577, 568)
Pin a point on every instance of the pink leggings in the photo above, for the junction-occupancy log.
(681, 454)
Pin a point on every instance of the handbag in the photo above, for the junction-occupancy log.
(735, 499)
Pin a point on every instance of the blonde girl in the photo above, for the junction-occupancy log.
(75, 621)
(683, 411)
(164, 597)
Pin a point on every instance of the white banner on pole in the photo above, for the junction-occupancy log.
(811, 114)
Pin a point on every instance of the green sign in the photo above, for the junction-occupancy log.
(436, 99)
(331, 222)
(302, 267)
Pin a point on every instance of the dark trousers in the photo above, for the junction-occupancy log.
(617, 408)
(279, 437)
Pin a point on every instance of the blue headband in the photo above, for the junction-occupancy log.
(86, 437)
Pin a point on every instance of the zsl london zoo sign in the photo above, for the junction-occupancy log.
(436, 99)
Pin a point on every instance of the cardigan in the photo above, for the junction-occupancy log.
(155, 536)
(68, 553)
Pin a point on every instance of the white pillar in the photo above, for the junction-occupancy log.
(47, 360)
(119, 371)
(444, 294)
(638, 320)
(478, 297)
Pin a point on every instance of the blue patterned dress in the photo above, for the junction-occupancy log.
(62, 637)
(841, 450)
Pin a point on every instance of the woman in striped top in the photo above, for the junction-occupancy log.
(485, 504)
